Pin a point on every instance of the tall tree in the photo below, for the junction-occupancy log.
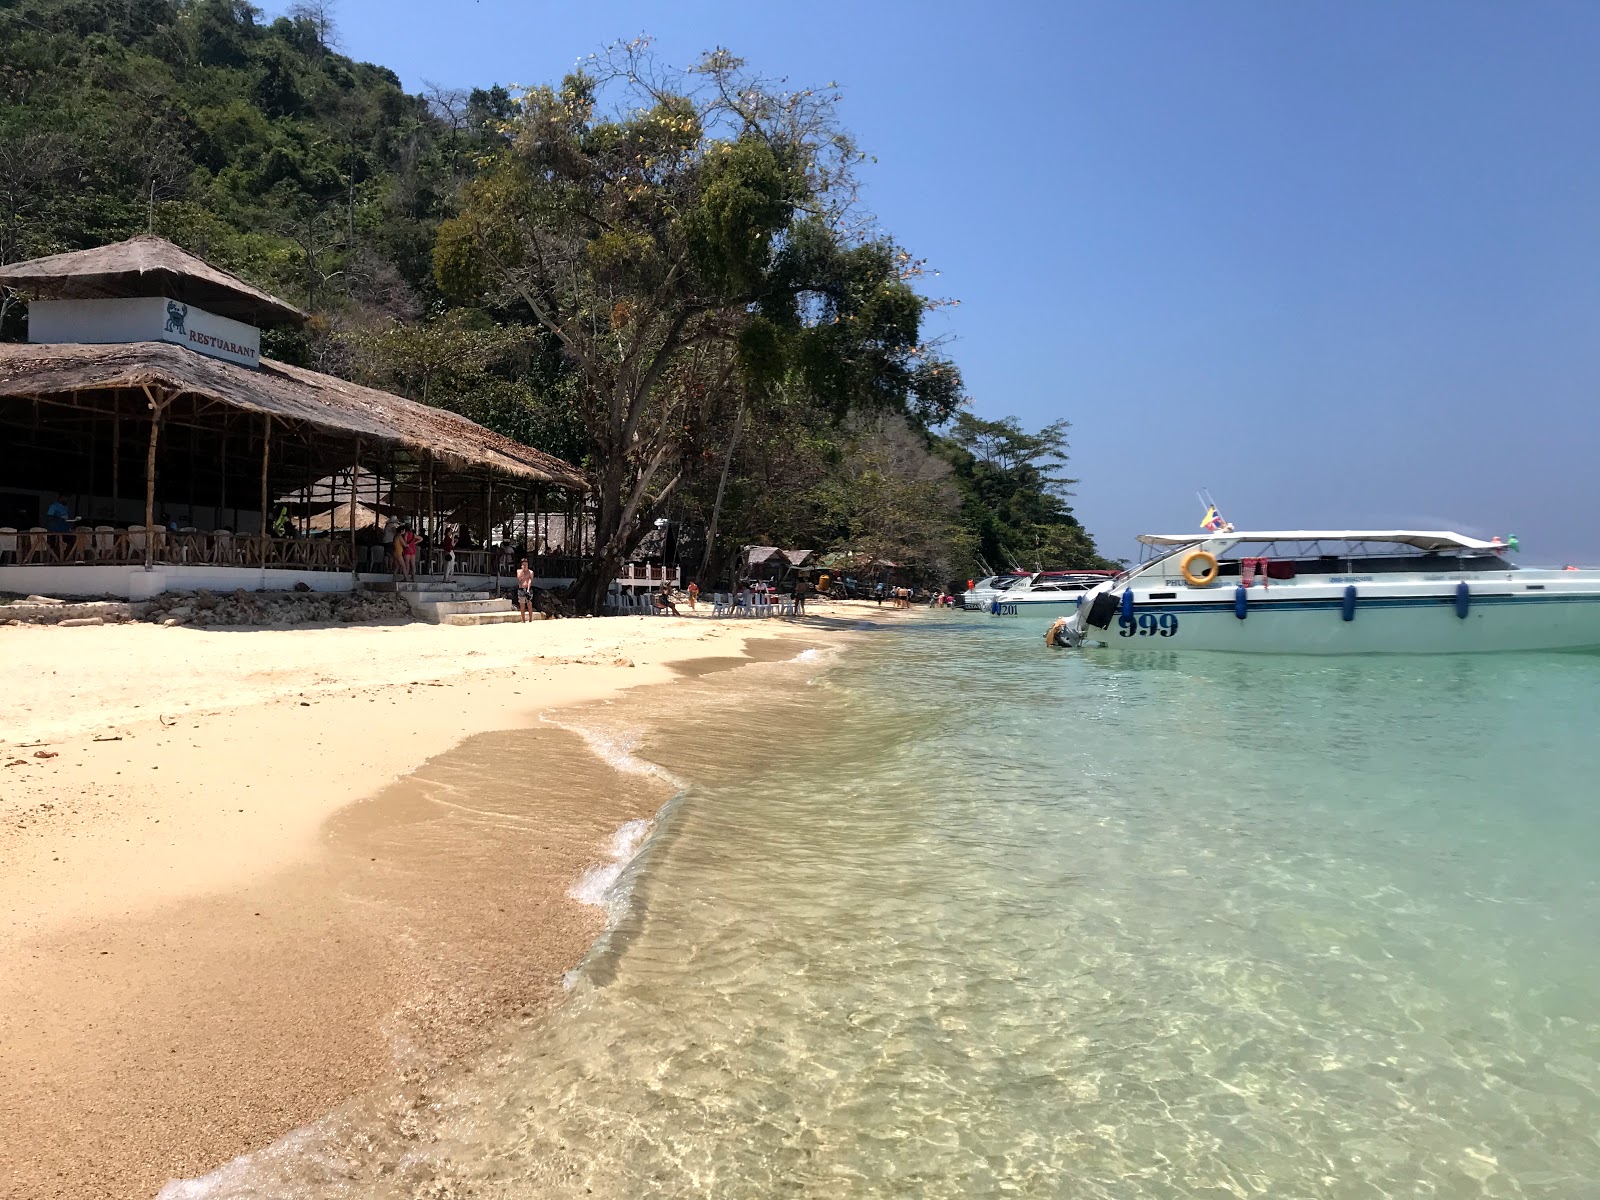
(1015, 503)
(688, 246)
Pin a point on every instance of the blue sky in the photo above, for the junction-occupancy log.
(1337, 261)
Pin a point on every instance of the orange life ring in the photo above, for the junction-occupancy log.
(1211, 568)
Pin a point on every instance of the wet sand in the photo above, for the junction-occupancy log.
(193, 968)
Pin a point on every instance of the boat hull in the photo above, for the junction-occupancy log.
(1377, 625)
(1018, 608)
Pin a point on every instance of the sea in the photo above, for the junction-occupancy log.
(937, 911)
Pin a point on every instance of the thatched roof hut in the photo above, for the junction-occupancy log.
(146, 265)
(195, 383)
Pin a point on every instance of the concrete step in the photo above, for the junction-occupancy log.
(485, 618)
(433, 596)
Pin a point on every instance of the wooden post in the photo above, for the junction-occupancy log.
(488, 530)
(222, 498)
(94, 444)
(355, 474)
(116, 458)
(150, 481)
(266, 458)
(432, 525)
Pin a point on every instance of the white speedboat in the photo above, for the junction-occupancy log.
(1046, 591)
(1338, 592)
(982, 593)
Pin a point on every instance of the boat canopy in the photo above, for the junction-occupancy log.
(1421, 539)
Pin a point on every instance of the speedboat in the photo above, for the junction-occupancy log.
(1336, 592)
(981, 594)
(1046, 591)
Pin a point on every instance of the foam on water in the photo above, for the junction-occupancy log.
(615, 747)
(594, 886)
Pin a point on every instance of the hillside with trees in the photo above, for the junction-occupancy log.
(661, 275)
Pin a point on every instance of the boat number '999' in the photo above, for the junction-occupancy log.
(1149, 625)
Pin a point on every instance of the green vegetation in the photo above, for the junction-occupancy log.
(660, 275)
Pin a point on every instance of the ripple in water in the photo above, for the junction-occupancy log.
(968, 918)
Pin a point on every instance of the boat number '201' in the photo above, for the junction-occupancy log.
(1149, 625)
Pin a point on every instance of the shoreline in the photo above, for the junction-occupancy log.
(196, 968)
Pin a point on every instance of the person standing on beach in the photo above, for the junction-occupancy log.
(409, 544)
(525, 591)
(800, 597)
(448, 545)
(694, 594)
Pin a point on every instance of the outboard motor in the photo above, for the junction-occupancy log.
(1102, 609)
(1066, 632)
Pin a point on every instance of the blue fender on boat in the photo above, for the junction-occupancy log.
(1463, 599)
(1347, 607)
(1241, 602)
(1127, 603)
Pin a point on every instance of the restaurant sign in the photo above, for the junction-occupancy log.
(144, 319)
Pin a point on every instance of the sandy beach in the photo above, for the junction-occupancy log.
(250, 873)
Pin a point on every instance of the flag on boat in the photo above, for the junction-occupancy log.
(1213, 522)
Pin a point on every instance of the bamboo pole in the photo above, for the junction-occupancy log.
(116, 461)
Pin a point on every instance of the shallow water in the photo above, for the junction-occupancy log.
(953, 915)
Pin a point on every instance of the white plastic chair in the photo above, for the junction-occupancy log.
(8, 543)
(105, 541)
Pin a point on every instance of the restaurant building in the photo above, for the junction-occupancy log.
(177, 456)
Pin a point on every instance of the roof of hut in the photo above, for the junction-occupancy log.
(277, 389)
(338, 517)
(147, 265)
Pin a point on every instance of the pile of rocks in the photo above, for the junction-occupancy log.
(273, 608)
(205, 608)
(46, 610)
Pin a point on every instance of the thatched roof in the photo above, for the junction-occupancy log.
(335, 488)
(761, 554)
(148, 266)
(291, 393)
(338, 517)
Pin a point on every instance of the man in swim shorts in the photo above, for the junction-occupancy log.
(525, 591)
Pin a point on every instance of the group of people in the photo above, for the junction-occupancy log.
(901, 596)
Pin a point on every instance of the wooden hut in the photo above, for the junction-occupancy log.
(142, 402)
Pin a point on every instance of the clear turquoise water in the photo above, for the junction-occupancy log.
(953, 915)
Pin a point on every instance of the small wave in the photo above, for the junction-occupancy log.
(616, 748)
(594, 885)
(241, 1176)
(813, 654)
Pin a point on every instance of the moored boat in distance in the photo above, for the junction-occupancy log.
(982, 593)
(1336, 592)
(1046, 591)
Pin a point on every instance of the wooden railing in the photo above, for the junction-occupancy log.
(106, 546)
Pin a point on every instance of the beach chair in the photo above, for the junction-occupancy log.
(8, 544)
(78, 546)
(36, 546)
(719, 604)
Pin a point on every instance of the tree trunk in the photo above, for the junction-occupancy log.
(722, 484)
